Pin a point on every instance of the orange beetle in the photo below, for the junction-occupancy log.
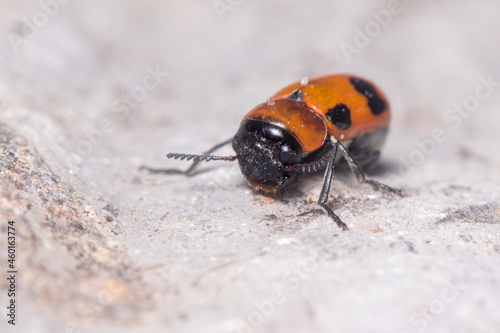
(301, 128)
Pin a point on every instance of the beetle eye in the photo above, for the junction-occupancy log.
(287, 155)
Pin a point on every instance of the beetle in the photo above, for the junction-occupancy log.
(300, 129)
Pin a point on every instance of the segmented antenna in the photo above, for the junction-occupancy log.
(200, 158)
(313, 166)
(308, 167)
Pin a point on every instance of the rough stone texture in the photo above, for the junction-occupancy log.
(104, 247)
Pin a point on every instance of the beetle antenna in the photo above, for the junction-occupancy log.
(200, 158)
(308, 167)
(313, 166)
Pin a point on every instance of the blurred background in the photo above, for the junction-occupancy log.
(90, 91)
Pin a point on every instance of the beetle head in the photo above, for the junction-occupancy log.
(263, 150)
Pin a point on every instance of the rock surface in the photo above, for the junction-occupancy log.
(90, 91)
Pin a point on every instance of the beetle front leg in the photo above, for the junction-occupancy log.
(325, 190)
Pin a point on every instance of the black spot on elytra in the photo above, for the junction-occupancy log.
(376, 104)
(340, 116)
(297, 95)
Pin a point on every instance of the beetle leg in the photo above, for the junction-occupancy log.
(360, 174)
(325, 189)
(190, 171)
